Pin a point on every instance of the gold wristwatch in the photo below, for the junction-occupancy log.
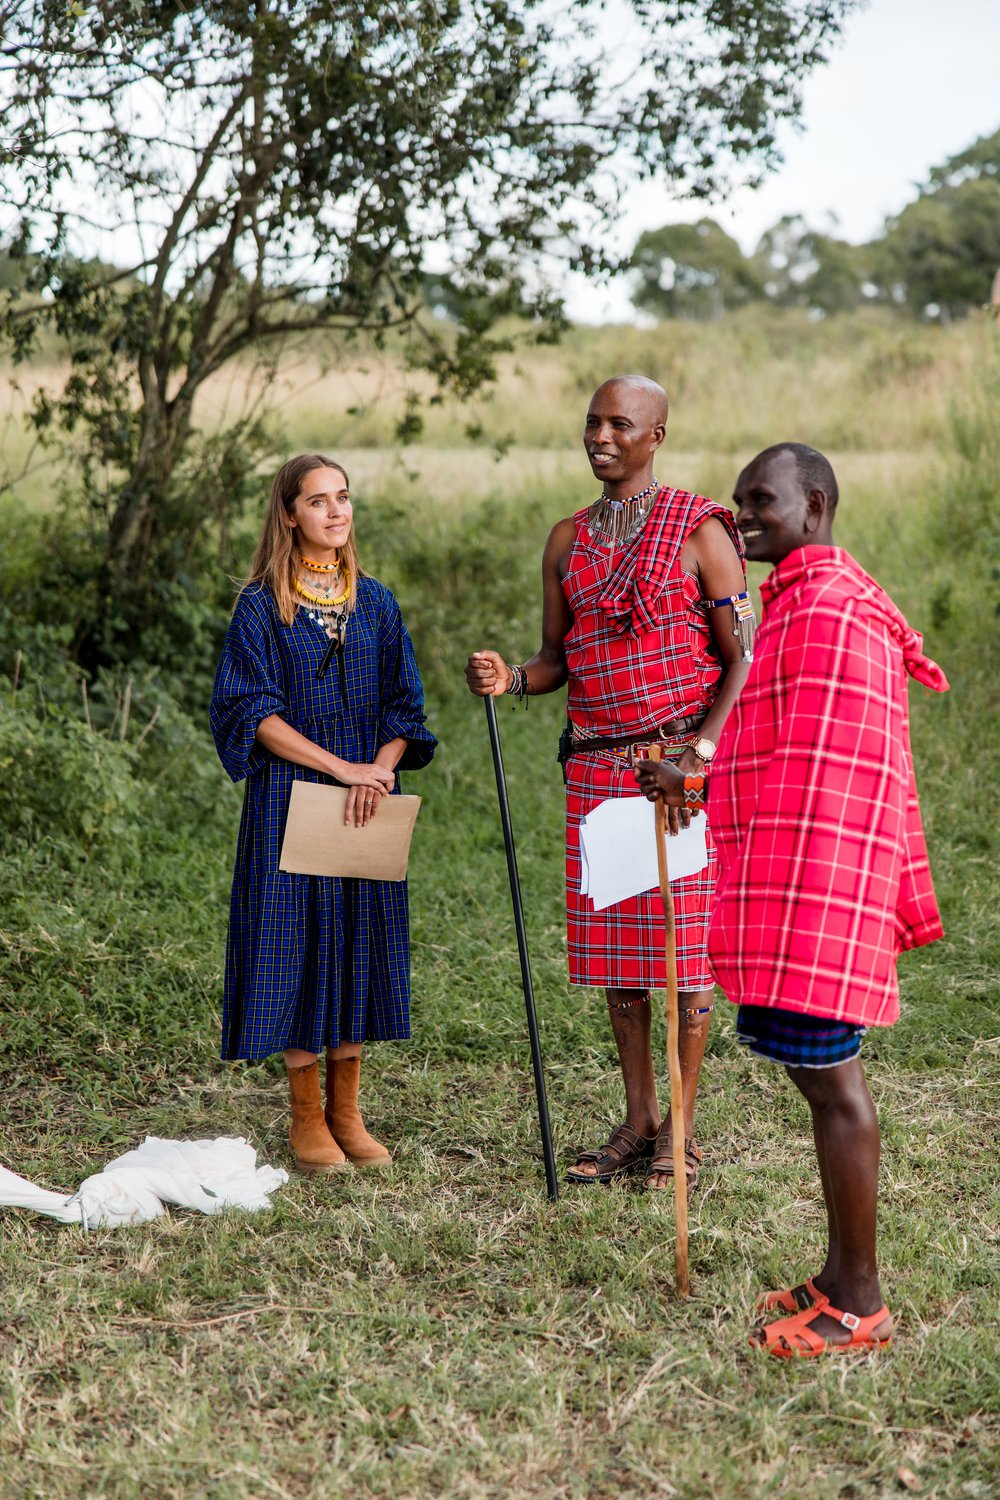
(704, 749)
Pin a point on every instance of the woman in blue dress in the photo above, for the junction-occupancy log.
(317, 682)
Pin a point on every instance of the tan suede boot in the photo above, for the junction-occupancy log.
(343, 1117)
(314, 1146)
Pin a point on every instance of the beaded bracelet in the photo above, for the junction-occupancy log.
(518, 681)
(694, 789)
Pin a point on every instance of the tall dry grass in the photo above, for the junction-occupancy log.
(861, 383)
(866, 383)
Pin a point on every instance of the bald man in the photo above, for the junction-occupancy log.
(645, 617)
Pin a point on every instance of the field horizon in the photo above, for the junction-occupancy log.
(441, 1329)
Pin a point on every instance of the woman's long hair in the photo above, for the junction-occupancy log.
(274, 560)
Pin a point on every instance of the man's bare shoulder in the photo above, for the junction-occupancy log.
(561, 539)
(564, 528)
(712, 536)
(712, 553)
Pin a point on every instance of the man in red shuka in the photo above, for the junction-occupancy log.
(823, 871)
(645, 616)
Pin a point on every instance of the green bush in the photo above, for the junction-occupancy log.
(67, 787)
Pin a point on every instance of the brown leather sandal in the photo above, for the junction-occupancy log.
(625, 1151)
(662, 1163)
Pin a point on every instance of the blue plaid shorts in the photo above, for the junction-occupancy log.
(796, 1040)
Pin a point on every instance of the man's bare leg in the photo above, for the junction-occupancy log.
(630, 1014)
(847, 1126)
(831, 1267)
(631, 1022)
(827, 1277)
(695, 1013)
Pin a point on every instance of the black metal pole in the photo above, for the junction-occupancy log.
(522, 948)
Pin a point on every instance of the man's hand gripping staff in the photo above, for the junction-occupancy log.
(684, 792)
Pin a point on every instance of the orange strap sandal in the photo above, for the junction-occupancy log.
(793, 1299)
(792, 1338)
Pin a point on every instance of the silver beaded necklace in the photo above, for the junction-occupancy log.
(615, 523)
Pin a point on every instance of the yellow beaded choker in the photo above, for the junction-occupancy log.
(317, 567)
(324, 599)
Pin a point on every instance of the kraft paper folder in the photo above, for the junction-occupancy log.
(319, 842)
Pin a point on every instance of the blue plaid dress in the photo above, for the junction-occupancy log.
(312, 961)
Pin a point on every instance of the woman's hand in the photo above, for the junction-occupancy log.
(362, 804)
(487, 674)
(662, 780)
(367, 774)
(369, 783)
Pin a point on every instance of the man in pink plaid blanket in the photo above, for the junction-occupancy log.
(823, 871)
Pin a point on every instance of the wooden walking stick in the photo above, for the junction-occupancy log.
(673, 1052)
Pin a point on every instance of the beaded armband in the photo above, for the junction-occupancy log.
(744, 619)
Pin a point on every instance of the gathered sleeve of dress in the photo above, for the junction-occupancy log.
(248, 686)
(401, 699)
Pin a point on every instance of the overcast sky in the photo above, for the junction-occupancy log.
(911, 83)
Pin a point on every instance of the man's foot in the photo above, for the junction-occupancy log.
(625, 1151)
(661, 1168)
(793, 1299)
(823, 1330)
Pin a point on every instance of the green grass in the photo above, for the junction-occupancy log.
(442, 1329)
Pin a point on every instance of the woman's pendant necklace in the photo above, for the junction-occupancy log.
(327, 609)
(333, 622)
(615, 523)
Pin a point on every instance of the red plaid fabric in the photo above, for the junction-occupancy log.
(622, 675)
(625, 677)
(823, 870)
(622, 947)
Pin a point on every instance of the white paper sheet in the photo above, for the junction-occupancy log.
(618, 850)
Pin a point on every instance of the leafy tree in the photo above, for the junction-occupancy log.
(692, 270)
(943, 250)
(838, 274)
(12, 270)
(802, 267)
(981, 159)
(279, 168)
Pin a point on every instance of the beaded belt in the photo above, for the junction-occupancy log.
(633, 748)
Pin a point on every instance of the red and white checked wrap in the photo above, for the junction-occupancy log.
(639, 654)
(824, 877)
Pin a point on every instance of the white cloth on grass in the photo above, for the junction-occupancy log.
(206, 1175)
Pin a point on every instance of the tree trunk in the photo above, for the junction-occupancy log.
(129, 567)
